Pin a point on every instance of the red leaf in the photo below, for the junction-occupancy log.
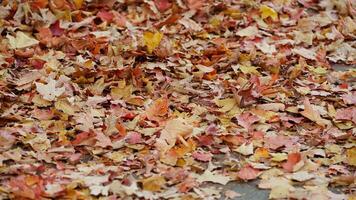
(162, 5)
(158, 108)
(248, 173)
(202, 156)
(206, 140)
(212, 129)
(247, 119)
(38, 4)
(195, 4)
(134, 138)
(37, 63)
(105, 16)
(293, 159)
(346, 114)
(275, 142)
(56, 29)
(81, 137)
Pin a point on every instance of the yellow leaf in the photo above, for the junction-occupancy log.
(153, 183)
(225, 104)
(122, 91)
(351, 156)
(264, 114)
(249, 70)
(78, 3)
(64, 106)
(268, 12)
(278, 157)
(98, 87)
(261, 153)
(152, 40)
(215, 21)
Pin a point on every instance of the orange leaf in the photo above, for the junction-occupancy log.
(248, 173)
(158, 108)
(121, 128)
(153, 183)
(293, 159)
(313, 115)
(261, 153)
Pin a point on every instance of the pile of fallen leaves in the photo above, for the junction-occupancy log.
(171, 99)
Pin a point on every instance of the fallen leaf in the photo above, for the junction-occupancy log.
(158, 108)
(246, 119)
(346, 114)
(202, 156)
(174, 129)
(313, 114)
(49, 91)
(301, 176)
(268, 12)
(209, 176)
(248, 173)
(249, 31)
(21, 40)
(152, 40)
(293, 159)
(351, 156)
(102, 140)
(245, 149)
(162, 5)
(230, 194)
(154, 183)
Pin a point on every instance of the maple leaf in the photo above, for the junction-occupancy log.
(346, 114)
(248, 31)
(209, 176)
(280, 186)
(351, 156)
(230, 194)
(78, 3)
(293, 159)
(64, 106)
(154, 183)
(102, 140)
(248, 173)
(21, 40)
(245, 149)
(174, 129)
(133, 138)
(275, 142)
(82, 137)
(158, 108)
(349, 98)
(261, 153)
(105, 16)
(246, 119)
(301, 176)
(313, 115)
(152, 40)
(268, 12)
(162, 5)
(202, 156)
(195, 4)
(6, 139)
(49, 91)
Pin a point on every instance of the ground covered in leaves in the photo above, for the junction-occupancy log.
(140, 99)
